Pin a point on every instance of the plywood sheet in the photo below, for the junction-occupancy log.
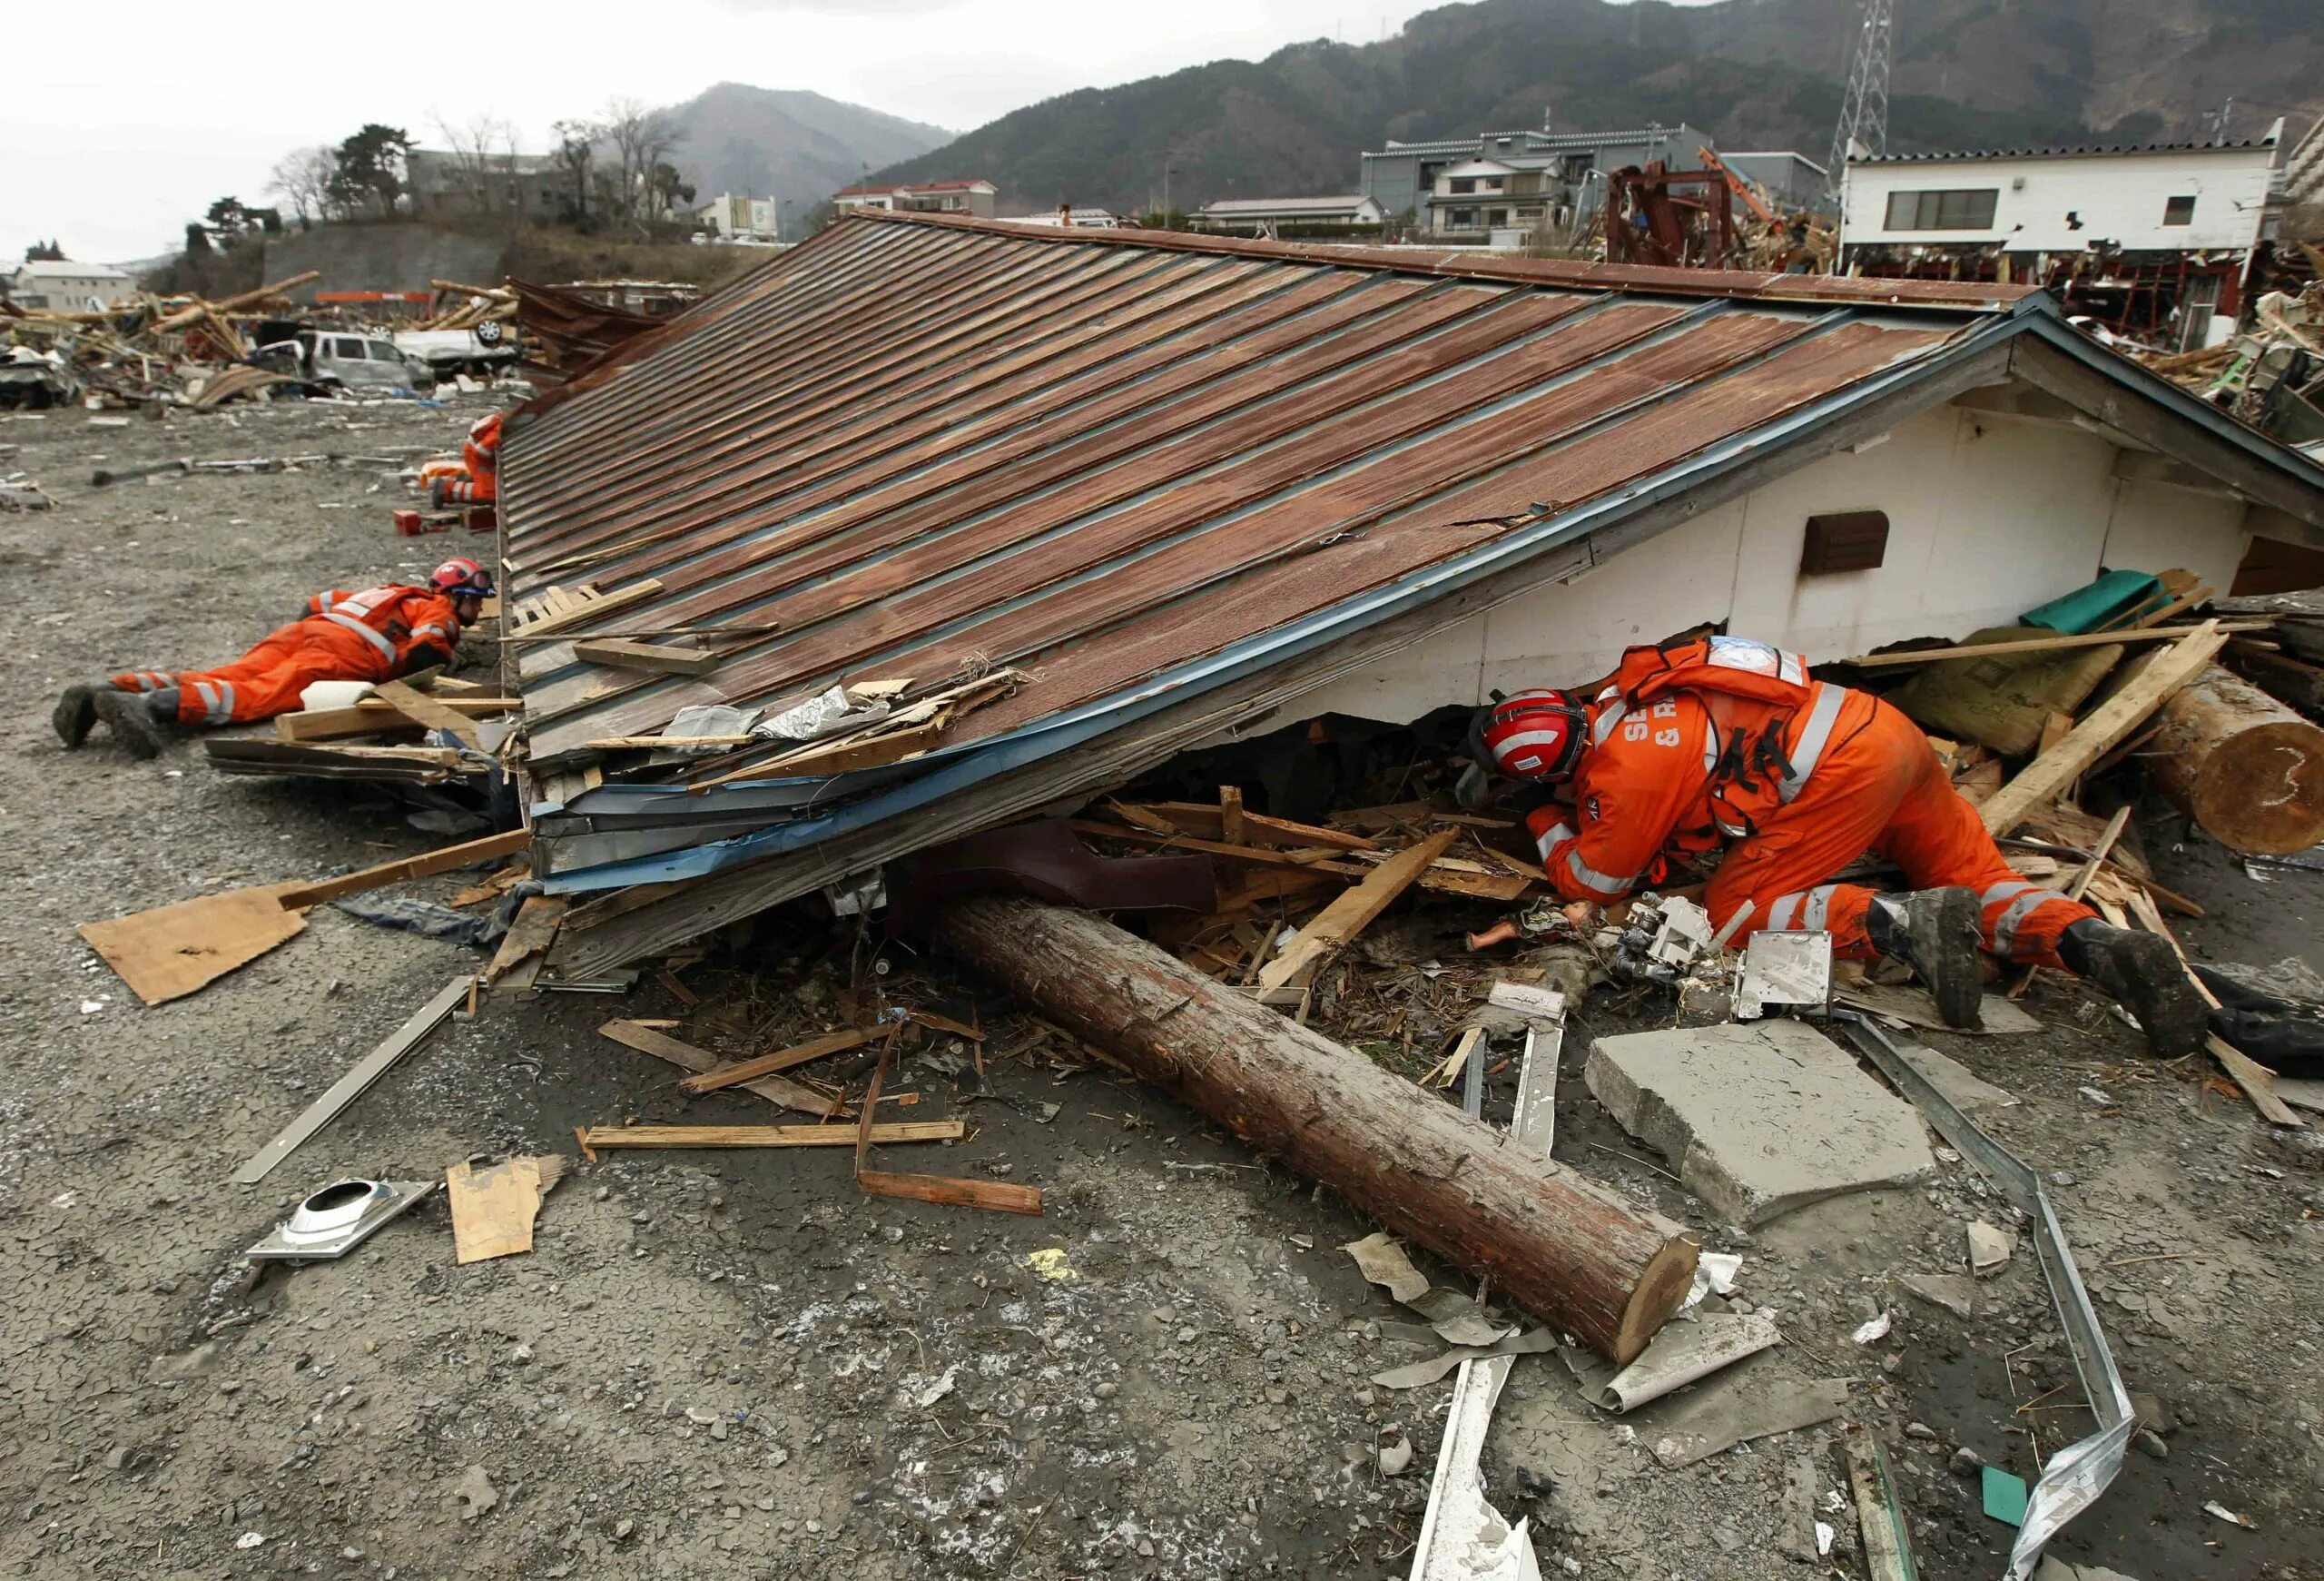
(169, 952)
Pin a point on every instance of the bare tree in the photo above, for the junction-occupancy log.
(484, 158)
(577, 151)
(641, 139)
(303, 179)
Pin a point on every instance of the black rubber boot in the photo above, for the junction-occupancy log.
(74, 715)
(130, 716)
(2141, 973)
(1935, 931)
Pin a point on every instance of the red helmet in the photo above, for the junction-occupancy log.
(1533, 736)
(485, 432)
(461, 577)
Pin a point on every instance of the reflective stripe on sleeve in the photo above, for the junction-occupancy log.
(1822, 715)
(1592, 878)
(1549, 841)
(1606, 723)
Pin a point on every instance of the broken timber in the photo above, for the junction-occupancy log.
(1352, 912)
(2048, 776)
(671, 1136)
(465, 855)
(1556, 1244)
(645, 1039)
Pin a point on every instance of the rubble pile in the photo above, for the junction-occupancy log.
(156, 351)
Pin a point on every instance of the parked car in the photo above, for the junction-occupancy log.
(352, 362)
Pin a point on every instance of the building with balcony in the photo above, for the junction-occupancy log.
(1466, 187)
(975, 196)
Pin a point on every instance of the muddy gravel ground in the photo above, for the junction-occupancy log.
(719, 1364)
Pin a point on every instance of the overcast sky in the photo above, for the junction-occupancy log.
(112, 139)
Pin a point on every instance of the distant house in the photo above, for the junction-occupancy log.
(930, 197)
(1793, 180)
(2151, 240)
(443, 185)
(69, 287)
(1465, 187)
(1273, 216)
(741, 219)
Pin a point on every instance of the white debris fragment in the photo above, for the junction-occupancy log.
(2214, 1507)
(1877, 1329)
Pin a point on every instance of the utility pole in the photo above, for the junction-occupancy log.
(1166, 158)
(1864, 111)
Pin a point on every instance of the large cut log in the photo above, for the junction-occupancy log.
(2242, 765)
(1561, 1247)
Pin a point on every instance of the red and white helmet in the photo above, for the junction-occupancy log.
(461, 577)
(1535, 735)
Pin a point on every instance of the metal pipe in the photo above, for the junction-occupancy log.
(2077, 1474)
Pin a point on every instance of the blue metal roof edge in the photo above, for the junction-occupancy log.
(981, 761)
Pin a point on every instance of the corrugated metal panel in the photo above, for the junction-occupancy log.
(914, 445)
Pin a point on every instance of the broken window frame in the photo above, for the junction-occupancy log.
(2179, 211)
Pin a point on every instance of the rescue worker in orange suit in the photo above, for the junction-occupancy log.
(373, 635)
(1719, 743)
(478, 481)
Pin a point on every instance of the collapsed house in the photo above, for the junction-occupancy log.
(2156, 242)
(1052, 507)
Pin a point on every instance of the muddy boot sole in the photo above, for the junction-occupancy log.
(124, 715)
(2144, 974)
(75, 716)
(1940, 943)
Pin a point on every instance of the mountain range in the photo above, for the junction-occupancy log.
(1755, 74)
(792, 146)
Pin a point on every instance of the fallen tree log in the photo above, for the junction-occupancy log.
(1561, 1247)
(2297, 685)
(2245, 767)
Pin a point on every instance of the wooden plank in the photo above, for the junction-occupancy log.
(518, 959)
(1258, 828)
(2050, 643)
(948, 1189)
(662, 1046)
(1263, 855)
(1352, 912)
(1230, 814)
(660, 658)
(664, 1136)
(1880, 1517)
(767, 1064)
(2046, 778)
(993, 1196)
(574, 607)
(373, 715)
(351, 1086)
(461, 856)
(170, 951)
(430, 713)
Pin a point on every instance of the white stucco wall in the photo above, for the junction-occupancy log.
(2118, 198)
(1988, 515)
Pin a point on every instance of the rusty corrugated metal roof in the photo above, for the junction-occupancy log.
(913, 444)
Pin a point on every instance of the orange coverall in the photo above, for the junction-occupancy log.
(1642, 796)
(374, 634)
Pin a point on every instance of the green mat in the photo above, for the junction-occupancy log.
(2097, 606)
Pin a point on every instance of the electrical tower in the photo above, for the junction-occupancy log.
(1864, 112)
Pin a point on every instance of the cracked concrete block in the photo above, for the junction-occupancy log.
(1760, 1119)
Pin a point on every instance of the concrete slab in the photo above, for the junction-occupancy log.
(1760, 1119)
